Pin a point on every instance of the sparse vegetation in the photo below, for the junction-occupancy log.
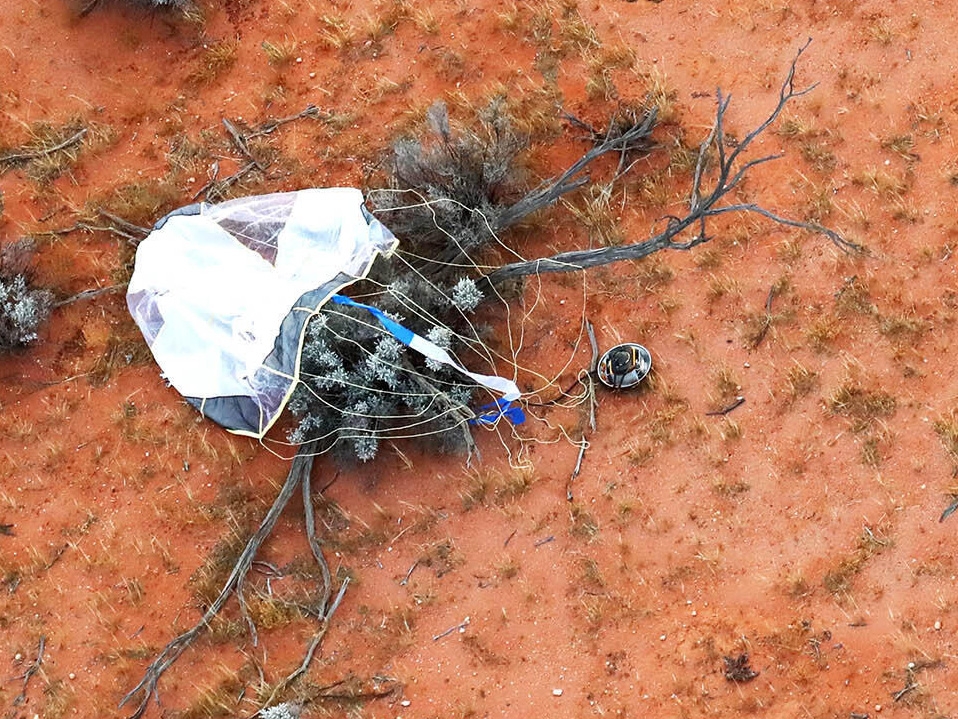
(280, 54)
(870, 542)
(23, 307)
(583, 524)
(216, 58)
(509, 497)
(946, 427)
(799, 381)
(50, 151)
(863, 407)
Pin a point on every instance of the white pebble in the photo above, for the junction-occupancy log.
(71, 675)
(557, 692)
(405, 703)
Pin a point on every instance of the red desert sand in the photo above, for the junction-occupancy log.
(783, 558)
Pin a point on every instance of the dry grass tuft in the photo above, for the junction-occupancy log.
(498, 488)
(906, 327)
(52, 150)
(799, 381)
(725, 388)
(209, 578)
(870, 542)
(861, 406)
(822, 332)
(592, 210)
(337, 33)
(659, 94)
(882, 182)
(946, 427)
(903, 145)
(854, 298)
(583, 524)
(217, 58)
(730, 490)
(280, 54)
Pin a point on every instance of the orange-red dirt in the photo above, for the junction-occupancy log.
(801, 528)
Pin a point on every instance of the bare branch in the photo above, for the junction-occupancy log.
(146, 688)
(702, 204)
(15, 158)
(549, 192)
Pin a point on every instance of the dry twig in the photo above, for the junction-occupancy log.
(703, 205)
(298, 478)
(31, 670)
(16, 158)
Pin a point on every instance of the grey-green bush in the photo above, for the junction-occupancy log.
(358, 386)
(23, 307)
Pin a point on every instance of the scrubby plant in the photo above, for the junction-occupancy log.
(451, 194)
(359, 385)
(451, 189)
(23, 307)
(183, 5)
(285, 710)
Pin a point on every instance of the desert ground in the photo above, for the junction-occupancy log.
(784, 558)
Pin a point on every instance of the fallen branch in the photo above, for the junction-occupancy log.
(900, 694)
(324, 608)
(239, 140)
(216, 189)
(297, 478)
(89, 295)
(739, 401)
(16, 158)
(133, 239)
(31, 670)
(703, 205)
(573, 178)
(269, 126)
(125, 225)
(461, 627)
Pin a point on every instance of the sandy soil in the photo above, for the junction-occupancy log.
(800, 529)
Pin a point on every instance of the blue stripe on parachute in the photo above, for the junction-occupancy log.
(489, 414)
(394, 328)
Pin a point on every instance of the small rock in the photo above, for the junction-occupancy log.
(557, 692)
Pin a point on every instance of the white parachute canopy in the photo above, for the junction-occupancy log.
(223, 293)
